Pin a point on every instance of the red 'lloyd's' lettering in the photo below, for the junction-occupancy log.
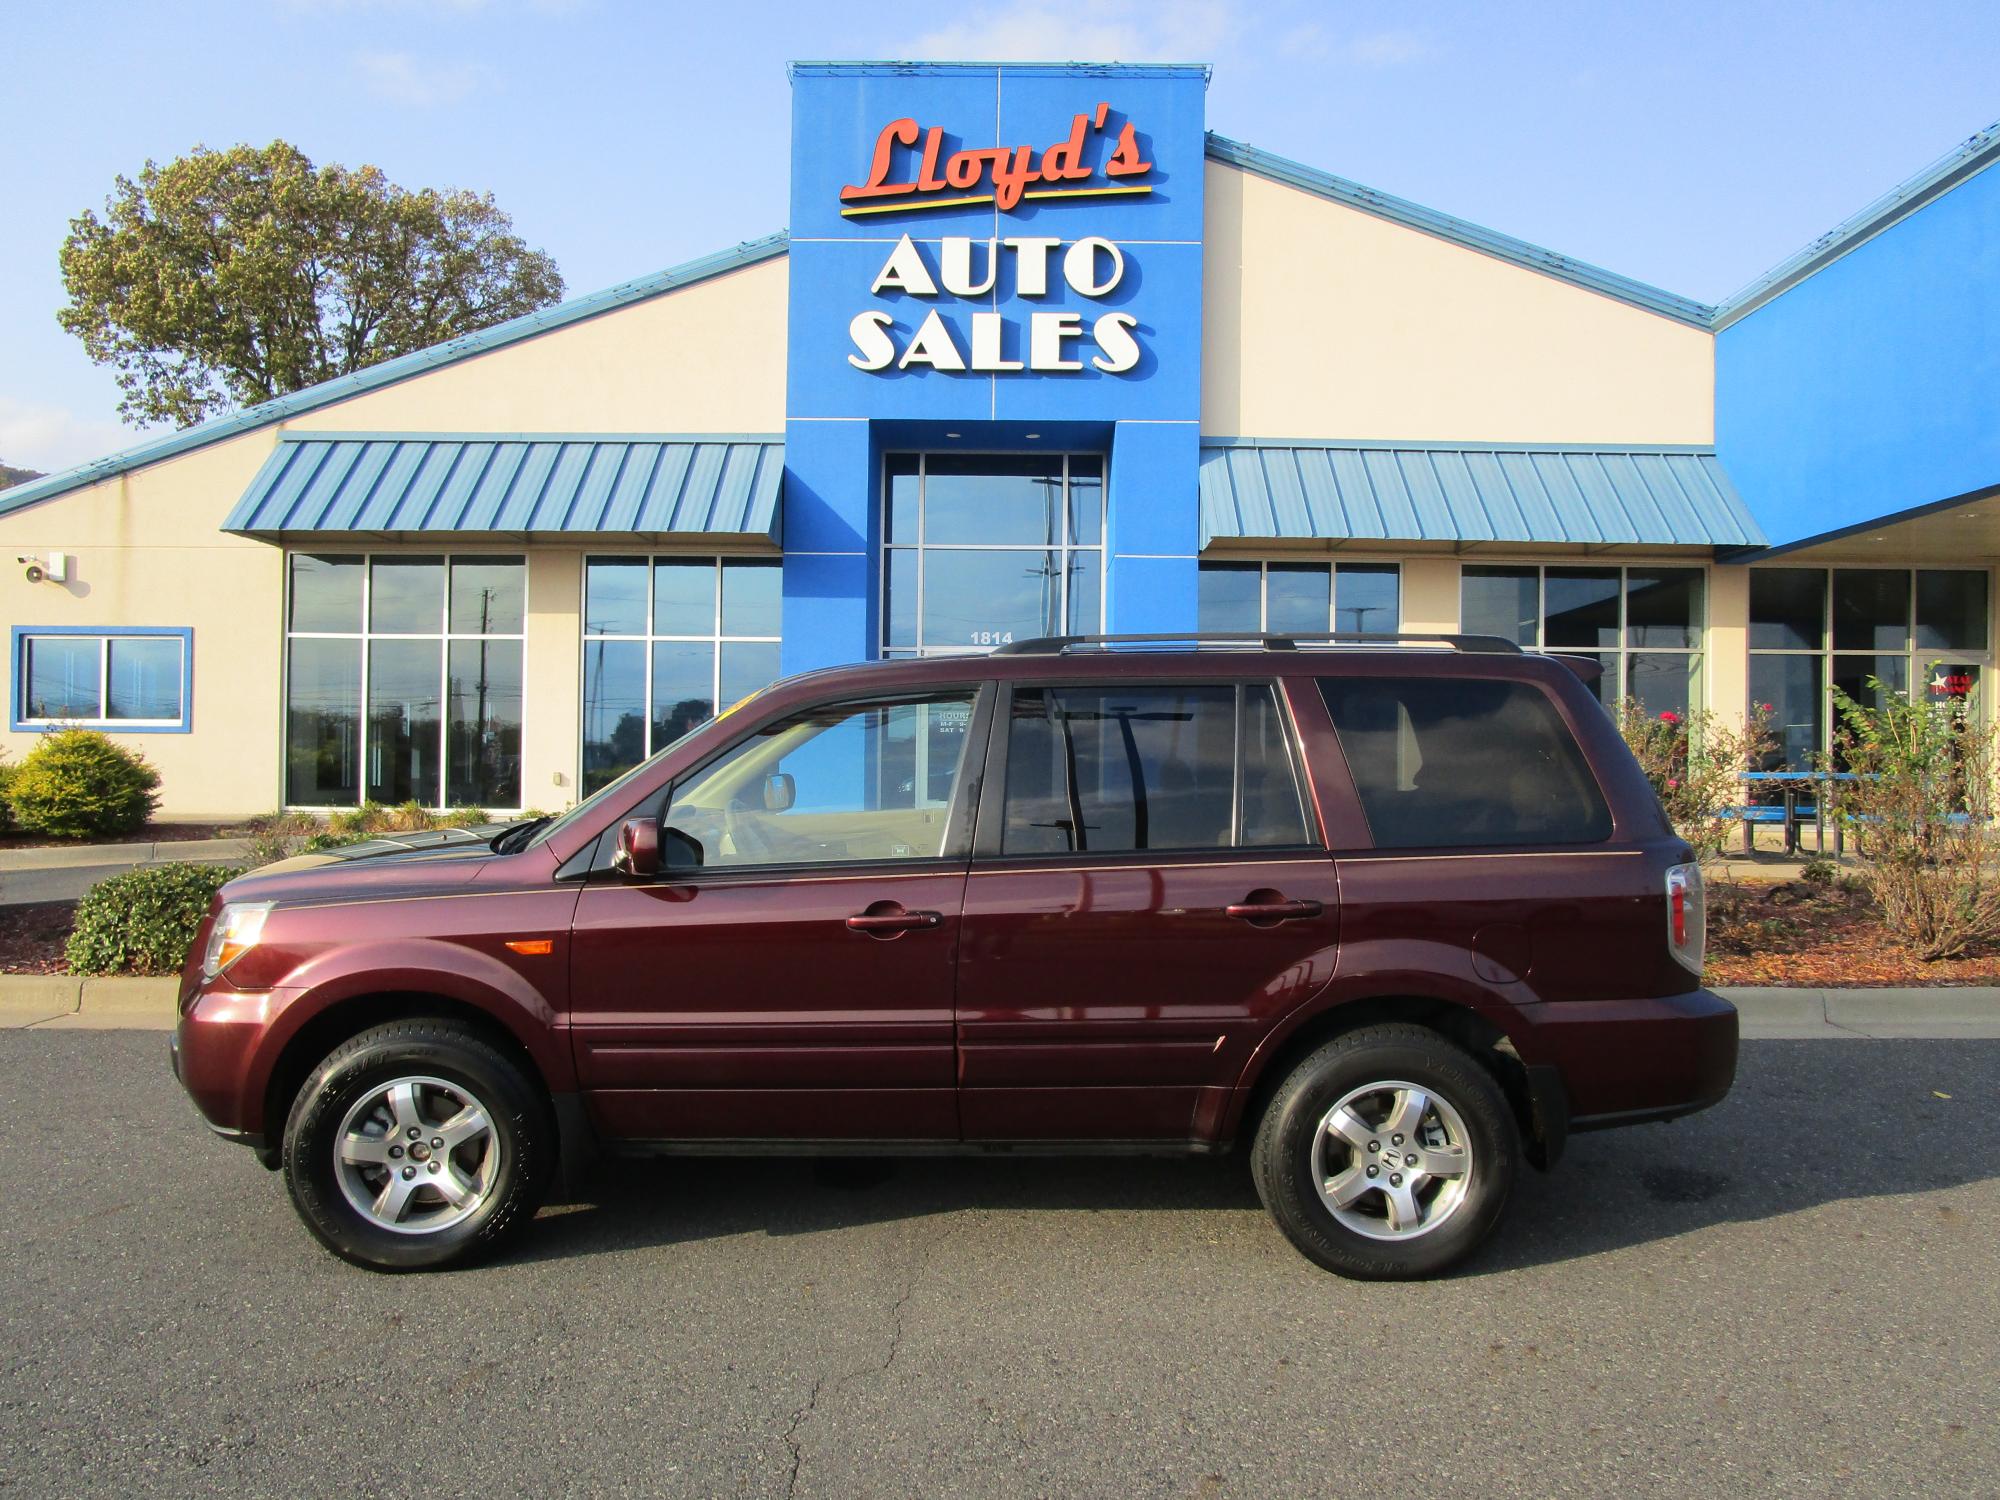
(1009, 170)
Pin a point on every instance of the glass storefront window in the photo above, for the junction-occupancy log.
(1814, 631)
(403, 680)
(1309, 598)
(1643, 626)
(669, 642)
(983, 549)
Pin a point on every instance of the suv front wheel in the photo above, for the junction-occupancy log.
(1387, 1153)
(416, 1144)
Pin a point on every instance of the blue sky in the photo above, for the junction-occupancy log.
(1689, 144)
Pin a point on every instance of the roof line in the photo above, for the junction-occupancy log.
(1966, 160)
(1467, 446)
(1460, 232)
(390, 372)
(1859, 528)
(467, 435)
(840, 68)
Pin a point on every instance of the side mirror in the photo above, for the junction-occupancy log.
(780, 791)
(638, 856)
(681, 850)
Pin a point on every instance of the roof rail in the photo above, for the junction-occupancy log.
(1056, 645)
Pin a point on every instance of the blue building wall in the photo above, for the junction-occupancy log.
(841, 418)
(1869, 388)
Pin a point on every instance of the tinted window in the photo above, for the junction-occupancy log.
(1117, 770)
(1501, 601)
(1787, 609)
(1441, 762)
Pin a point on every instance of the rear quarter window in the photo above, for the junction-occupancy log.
(1442, 762)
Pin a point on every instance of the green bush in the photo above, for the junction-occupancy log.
(143, 922)
(6, 784)
(1818, 872)
(78, 783)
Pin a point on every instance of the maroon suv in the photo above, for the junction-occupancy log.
(1395, 915)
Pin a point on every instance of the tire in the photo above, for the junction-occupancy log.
(1368, 1080)
(388, 1165)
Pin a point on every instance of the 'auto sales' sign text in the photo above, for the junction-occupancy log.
(905, 177)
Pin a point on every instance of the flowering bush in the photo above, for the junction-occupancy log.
(1693, 761)
(1920, 809)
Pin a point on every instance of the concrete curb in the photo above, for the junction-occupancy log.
(68, 1002)
(81, 856)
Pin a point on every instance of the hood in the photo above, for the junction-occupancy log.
(387, 865)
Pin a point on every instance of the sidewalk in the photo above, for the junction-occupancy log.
(67, 1002)
(64, 872)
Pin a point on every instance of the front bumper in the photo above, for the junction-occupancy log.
(1624, 1062)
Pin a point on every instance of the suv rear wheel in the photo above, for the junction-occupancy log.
(416, 1144)
(1388, 1153)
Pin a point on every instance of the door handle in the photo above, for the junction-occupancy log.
(892, 922)
(1273, 911)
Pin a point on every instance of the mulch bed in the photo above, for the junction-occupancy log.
(152, 833)
(32, 937)
(1819, 936)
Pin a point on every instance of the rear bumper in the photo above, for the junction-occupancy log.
(1624, 1062)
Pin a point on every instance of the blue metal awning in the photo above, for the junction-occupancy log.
(1455, 492)
(435, 483)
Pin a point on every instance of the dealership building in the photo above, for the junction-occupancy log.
(1038, 353)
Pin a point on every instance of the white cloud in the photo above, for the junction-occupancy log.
(1111, 31)
(35, 435)
(401, 79)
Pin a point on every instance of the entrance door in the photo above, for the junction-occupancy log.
(796, 982)
(1147, 895)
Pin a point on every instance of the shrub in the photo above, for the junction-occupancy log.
(280, 835)
(1818, 872)
(143, 922)
(1693, 761)
(1919, 812)
(6, 783)
(78, 783)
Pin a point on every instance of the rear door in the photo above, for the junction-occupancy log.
(1148, 891)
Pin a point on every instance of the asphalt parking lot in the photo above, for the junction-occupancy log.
(1792, 1294)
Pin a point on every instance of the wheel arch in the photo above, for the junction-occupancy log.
(1541, 1121)
(353, 1014)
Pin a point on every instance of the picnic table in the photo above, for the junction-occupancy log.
(1823, 786)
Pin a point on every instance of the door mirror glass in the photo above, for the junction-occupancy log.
(680, 850)
(781, 790)
(638, 856)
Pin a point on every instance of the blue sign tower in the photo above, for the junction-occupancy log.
(991, 258)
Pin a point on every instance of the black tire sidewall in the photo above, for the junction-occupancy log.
(1283, 1156)
(403, 1049)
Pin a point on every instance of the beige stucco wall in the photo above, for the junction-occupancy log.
(149, 550)
(707, 358)
(1321, 321)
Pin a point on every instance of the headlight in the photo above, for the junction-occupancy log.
(235, 933)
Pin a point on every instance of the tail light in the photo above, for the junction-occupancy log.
(1687, 917)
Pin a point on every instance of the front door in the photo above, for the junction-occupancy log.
(797, 982)
(1148, 893)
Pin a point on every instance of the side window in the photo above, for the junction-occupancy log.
(1117, 770)
(852, 781)
(1442, 762)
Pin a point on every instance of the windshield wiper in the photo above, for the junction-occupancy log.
(507, 840)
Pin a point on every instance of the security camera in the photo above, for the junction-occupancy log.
(35, 573)
(56, 568)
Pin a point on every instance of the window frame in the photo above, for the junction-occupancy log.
(991, 828)
(444, 636)
(1700, 675)
(1264, 564)
(716, 640)
(1913, 655)
(20, 722)
(886, 549)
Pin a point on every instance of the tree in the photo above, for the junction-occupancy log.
(11, 476)
(230, 277)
